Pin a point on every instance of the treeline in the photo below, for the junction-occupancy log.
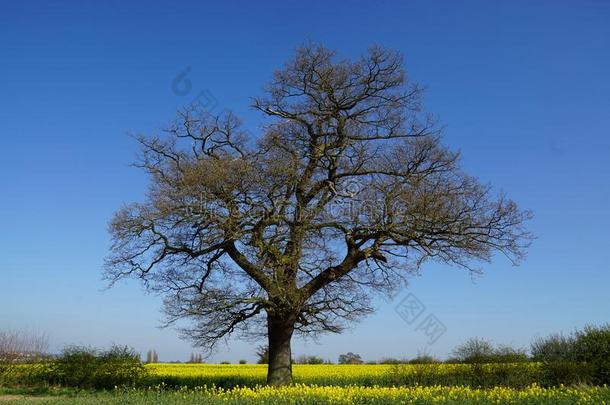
(582, 357)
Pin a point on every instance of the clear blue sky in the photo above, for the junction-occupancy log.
(522, 87)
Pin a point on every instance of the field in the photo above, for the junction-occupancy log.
(250, 375)
(322, 384)
(301, 394)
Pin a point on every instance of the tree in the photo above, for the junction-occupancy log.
(474, 350)
(350, 358)
(262, 353)
(18, 347)
(152, 356)
(346, 190)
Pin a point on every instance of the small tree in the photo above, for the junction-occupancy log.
(350, 358)
(263, 355)
(474, 350)
(347, 190)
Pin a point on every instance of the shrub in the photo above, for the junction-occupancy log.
(474, 350)
(118, 366)
(479, 351)
(592, 349)
(243, 362)
(583, 357)
(85, 367)
(555, 347)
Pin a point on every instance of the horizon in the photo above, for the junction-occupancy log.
(521, 90)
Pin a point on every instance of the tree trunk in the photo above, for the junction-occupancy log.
(280, 356)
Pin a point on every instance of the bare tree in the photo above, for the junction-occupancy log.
(18, 347)
(346, 190)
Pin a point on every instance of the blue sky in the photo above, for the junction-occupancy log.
(522, 88)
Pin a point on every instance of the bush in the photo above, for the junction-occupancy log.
(583, 357)
(553, 348)
(480, 351)
(592, 350)
(85, 367)
(474, 350)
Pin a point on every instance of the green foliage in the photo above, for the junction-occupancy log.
(555, 347)
(583, 357)
(85, 367)
(350, 358)
(592, 349)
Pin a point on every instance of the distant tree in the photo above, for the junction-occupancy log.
(196, 358)
(346, 191)
(18, 347)
(350, 358)
(474, 350)
(152, 357)
(243, 362)
(308, 359)
(263, 355)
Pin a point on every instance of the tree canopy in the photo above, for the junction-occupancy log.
(346, 190)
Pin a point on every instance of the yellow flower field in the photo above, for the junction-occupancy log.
(230, 375)
(326, 395)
